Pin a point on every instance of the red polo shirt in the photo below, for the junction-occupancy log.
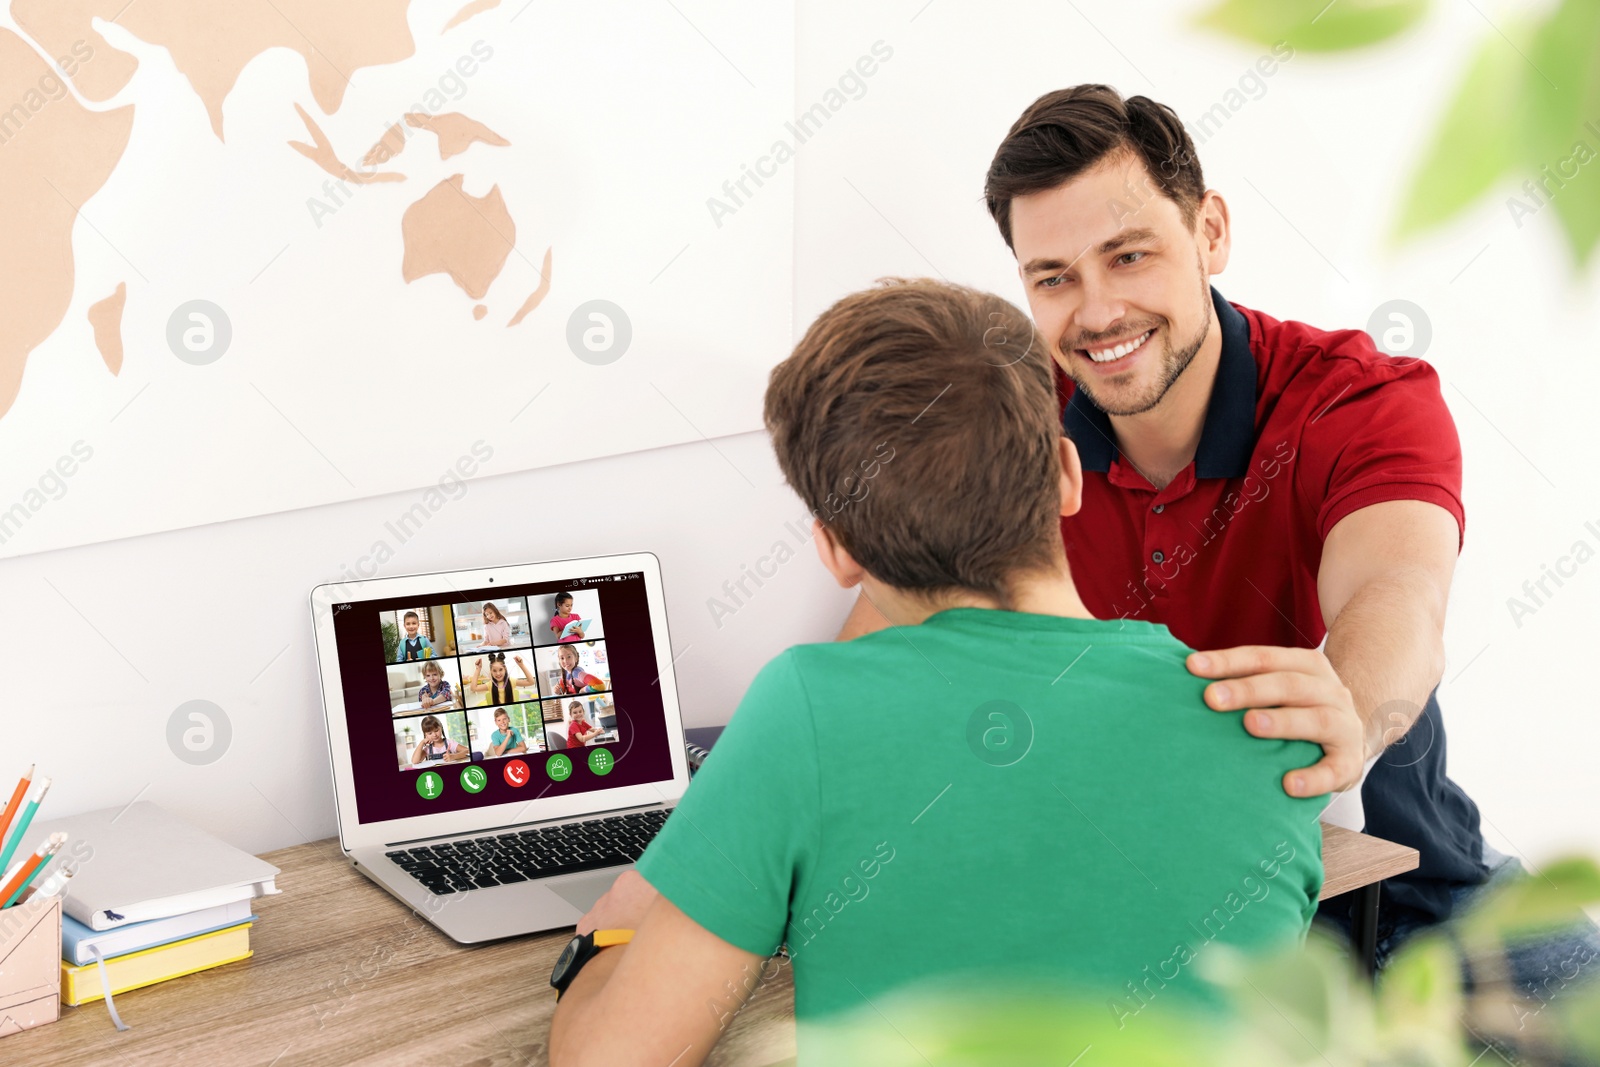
(1304, 426)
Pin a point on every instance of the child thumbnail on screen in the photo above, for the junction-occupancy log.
(414, 634)
(581, 721)
(496, 678)
(492, 625)
(422, 741)
(572, 670)
(566, 616)
(512, 730)
(432, 685)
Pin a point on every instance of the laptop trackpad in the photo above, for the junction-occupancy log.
(582, 890)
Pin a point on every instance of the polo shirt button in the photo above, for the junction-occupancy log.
(1159, 508)
(1158, 555)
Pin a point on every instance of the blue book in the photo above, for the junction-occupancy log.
(77, 940)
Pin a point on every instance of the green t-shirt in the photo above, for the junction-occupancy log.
(991, 797)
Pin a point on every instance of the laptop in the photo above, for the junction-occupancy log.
(494, 767)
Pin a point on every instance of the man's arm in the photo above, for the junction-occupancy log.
(1383, 587)
(664, 998)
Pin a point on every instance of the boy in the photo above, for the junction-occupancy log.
(1044, 798)
(413, 646)
(506, 739)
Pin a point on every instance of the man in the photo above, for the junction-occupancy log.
(1248, 482)
(1001, 793)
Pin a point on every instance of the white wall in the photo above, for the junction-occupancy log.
(1313, 171)
(102, 733)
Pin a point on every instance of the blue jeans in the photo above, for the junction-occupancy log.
(1540, 968)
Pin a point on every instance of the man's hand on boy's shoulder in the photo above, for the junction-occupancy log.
(623, 905)
(1295, 694)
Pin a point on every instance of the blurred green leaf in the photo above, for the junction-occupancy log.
(1315, 25)
(1562, 132)
(1305, 1004)
(921, 1028)
(1531, 905)
(1419, 1002)
(1476, 144)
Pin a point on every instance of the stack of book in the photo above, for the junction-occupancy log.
(151, 898)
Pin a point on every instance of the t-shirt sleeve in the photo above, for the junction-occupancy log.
(738, 842)
(1383, 433)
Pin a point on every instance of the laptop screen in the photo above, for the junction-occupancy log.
(501, 694)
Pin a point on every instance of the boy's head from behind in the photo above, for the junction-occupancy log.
(918, 420)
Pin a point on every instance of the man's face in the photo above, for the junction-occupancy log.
(1116, 281)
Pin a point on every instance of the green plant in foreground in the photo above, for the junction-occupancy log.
(1301, 1006)
(1525, 113)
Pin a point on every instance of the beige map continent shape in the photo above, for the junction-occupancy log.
(456, 132)
(452, 232)
(211, 41)
(105, 318)
(59, 158)
(477, 7)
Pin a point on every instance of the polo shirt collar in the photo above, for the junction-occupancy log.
(1229, 434)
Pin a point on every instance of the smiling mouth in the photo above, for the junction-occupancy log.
(1121, 350)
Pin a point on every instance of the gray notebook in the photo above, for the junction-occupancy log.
(140, 862)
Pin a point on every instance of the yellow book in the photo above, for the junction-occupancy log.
(81, 984)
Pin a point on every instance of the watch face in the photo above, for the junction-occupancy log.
(564, 962)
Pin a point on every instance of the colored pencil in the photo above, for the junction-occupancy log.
(15, 883)
(39, 790)
(16, 802)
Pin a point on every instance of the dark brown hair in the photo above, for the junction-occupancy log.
(430, 724)
(918, 421)
(1064, 133)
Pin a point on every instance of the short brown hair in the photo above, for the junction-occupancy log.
(1064, 133)
(918, 420)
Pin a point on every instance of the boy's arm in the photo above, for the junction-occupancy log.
(681, 985)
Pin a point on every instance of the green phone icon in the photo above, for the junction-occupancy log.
(601, 761)
(429, 785)
(473, 779)
(558, 767)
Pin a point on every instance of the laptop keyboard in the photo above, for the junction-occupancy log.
(478, 863)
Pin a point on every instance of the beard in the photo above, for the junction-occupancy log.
(1172, 363)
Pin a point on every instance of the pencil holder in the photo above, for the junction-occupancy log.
(30, 964)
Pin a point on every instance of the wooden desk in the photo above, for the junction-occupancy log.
(345, 974)
(1357, 863)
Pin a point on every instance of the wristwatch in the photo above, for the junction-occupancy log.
(579, 951)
